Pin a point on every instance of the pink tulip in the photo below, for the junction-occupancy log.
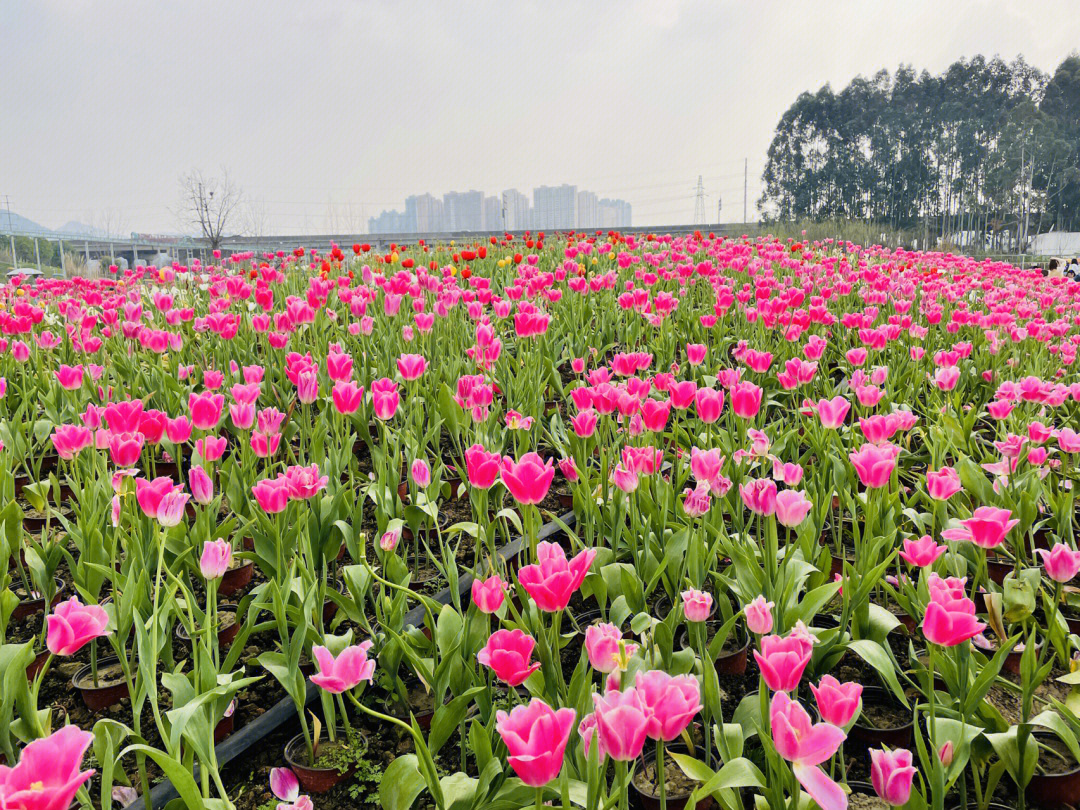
(535, 736)
(695, 353)
(670, 702)
(202, 485)
(20, 351)
(696, 502)
(171, 508)
(621, 724)
(149, 494)
(305, 482)
(706, 464)
(215, 560)
(1068, 440)
(553, 580)
(584, 423)
(178, 430)
(264, 445)
(832, 412)
(488, 594)
(838, 703)
(205, 410)
(389, 539)
(605, 647)
(337, 675)
(347, 397)
(874, 464)
(385, 398)
(1061, 562)
(921, 553)
(986, 528)
(124, 448)
(242, 415)
(759, 495)
(211, 448)
(47, 776)
(806, 746)
(891, 774)
(420, 472)
(284, 784)
(745, 400)
(272, 495)
(697, 605)
(70, 440)
(124, 417)
(411, 366)
(339, 367)
(792, 507)
(71, 626)
(682, 394)
(710, 403)
(782, 660)
(307, 387)
(507, 654)
(1000, 409)
(759, 618)
(70, 377)
(943, 484)
(947, 626)
(482, 467)
(947, 378)
(529, 479)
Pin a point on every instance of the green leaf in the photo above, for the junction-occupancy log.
(874, 654)
(175, 771)
(401, 783)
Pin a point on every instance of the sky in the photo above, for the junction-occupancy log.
(325, 112)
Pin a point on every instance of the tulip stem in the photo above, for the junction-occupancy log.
(661, 774)
(539, 798)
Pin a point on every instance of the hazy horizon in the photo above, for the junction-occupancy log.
(327, 113)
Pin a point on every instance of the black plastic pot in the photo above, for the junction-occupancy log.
(651, 801)
(867, 736)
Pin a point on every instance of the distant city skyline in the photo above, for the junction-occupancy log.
(553, 208)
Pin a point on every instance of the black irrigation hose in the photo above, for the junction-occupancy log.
(284, 710)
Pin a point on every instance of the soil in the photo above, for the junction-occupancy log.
(108, 675)
(1056, 760)
(862, 801)
(1008, 702)
(676, 783)
(884, 716)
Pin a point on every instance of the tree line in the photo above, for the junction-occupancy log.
(987, 147)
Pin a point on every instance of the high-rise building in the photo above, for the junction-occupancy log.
(423, 214)
(614, 214)
(555, 207)
(493, 214)
(464, 210)
(517, 210)
(388, 222)
(588, 210)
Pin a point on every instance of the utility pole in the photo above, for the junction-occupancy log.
(11, 232)
(745, 186)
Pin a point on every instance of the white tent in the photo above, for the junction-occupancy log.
(1056, 243)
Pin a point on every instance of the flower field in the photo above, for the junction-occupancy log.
(595, 522)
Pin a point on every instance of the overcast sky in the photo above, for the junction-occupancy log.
(326, 111)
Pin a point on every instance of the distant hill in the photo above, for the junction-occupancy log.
(19, 223)
(80, 228)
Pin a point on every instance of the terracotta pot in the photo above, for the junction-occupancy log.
(230, 626)
(313, 780)
(1054, 789)
(651, 801)
(28, 607)
(225, 725)
(867, 736)
(34, 667)
(237, 578)
(730, 662)
(107, 691)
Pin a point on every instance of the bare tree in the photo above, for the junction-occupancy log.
(255, 219)
(208, 204)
